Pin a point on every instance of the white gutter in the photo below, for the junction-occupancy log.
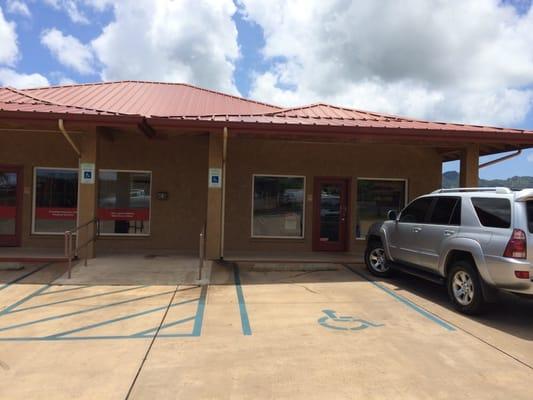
(503, 158)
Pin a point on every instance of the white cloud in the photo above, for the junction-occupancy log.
(68, 50)
(468, 61)
(181, 41)
(9, 77)
(18, 7)
(530, 157)
(71, 7)
(9, 52)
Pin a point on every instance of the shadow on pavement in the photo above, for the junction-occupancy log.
(510, 314)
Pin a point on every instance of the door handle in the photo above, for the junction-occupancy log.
(417, 229)
(448, 233)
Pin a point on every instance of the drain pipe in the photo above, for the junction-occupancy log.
(223, 202)
(62, 129)
(499, 160)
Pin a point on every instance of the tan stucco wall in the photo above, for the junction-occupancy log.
(178, 165)
(420, 166)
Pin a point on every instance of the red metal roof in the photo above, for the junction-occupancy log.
(15, 100)
(178, 104)
(149, 98)
(331, 116)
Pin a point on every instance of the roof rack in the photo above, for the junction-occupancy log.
(476, 189)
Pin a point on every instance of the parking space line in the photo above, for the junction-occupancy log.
(69, 314)
(198, 320)
(73, 299)
(245, 322)
(405, 301)
(23, 276)
(122, 318)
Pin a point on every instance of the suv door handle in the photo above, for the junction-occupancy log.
(417, 229)
(448, 233)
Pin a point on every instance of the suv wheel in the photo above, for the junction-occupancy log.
(464, 288)
(376, 259)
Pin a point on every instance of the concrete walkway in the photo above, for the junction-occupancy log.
(254, 334)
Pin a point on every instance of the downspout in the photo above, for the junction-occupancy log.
(223, 202)
(498, 160)
(61, 127)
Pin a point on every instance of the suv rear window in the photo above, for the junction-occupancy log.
(529, 207)
(493, 212)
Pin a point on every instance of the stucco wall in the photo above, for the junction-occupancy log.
(178, 165)
(420, 166)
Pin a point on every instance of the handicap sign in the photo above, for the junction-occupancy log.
(344, 323)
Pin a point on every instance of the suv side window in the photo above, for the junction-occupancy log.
(416, 212)
(493, 212)
(446, 211)
(529, 207)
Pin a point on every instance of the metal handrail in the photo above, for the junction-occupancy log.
(72, 253)
(202, 252)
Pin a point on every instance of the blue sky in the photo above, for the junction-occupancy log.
(287, 54)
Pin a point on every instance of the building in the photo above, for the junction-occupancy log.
(156, 162)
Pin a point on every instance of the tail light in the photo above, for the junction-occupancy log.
(517, 245)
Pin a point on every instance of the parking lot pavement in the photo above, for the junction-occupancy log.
(326, 334)
(255, 334)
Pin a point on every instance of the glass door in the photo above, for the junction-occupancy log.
(10, 205)
(330, 209)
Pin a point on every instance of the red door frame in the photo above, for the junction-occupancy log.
(14, 240)
(342, 244)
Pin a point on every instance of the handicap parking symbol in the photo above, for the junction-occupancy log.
(344, 323)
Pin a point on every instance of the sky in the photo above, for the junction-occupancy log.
(468, 61)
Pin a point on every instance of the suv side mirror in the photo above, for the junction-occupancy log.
(391, 215)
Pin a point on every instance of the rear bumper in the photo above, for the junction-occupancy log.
(501, 271)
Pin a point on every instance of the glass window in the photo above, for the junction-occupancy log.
(8, 203)
(416, 211)
(124, 202)
(529, 206)
(374, 199)
(278, 206)
(444, 211)
(56, 200)
(493, 212)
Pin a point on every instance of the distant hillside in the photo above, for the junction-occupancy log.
(450, 179)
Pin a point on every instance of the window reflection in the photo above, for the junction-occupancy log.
(124, 202)
(56, 200)
(374, 199)
(278, 205)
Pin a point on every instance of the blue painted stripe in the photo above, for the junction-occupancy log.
(64, 290)
(73, 338)
(11, 307)
(83, 311)
(122, 318)
(405, 301)
(19, 278)
(199, 318)
(181, 321)
(245, 322)
(76, 298)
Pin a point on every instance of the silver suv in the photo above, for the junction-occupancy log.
(474, 240)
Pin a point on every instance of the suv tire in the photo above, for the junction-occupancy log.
(464, 288)
(376, 259)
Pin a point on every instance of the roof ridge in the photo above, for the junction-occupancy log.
(156, 83)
